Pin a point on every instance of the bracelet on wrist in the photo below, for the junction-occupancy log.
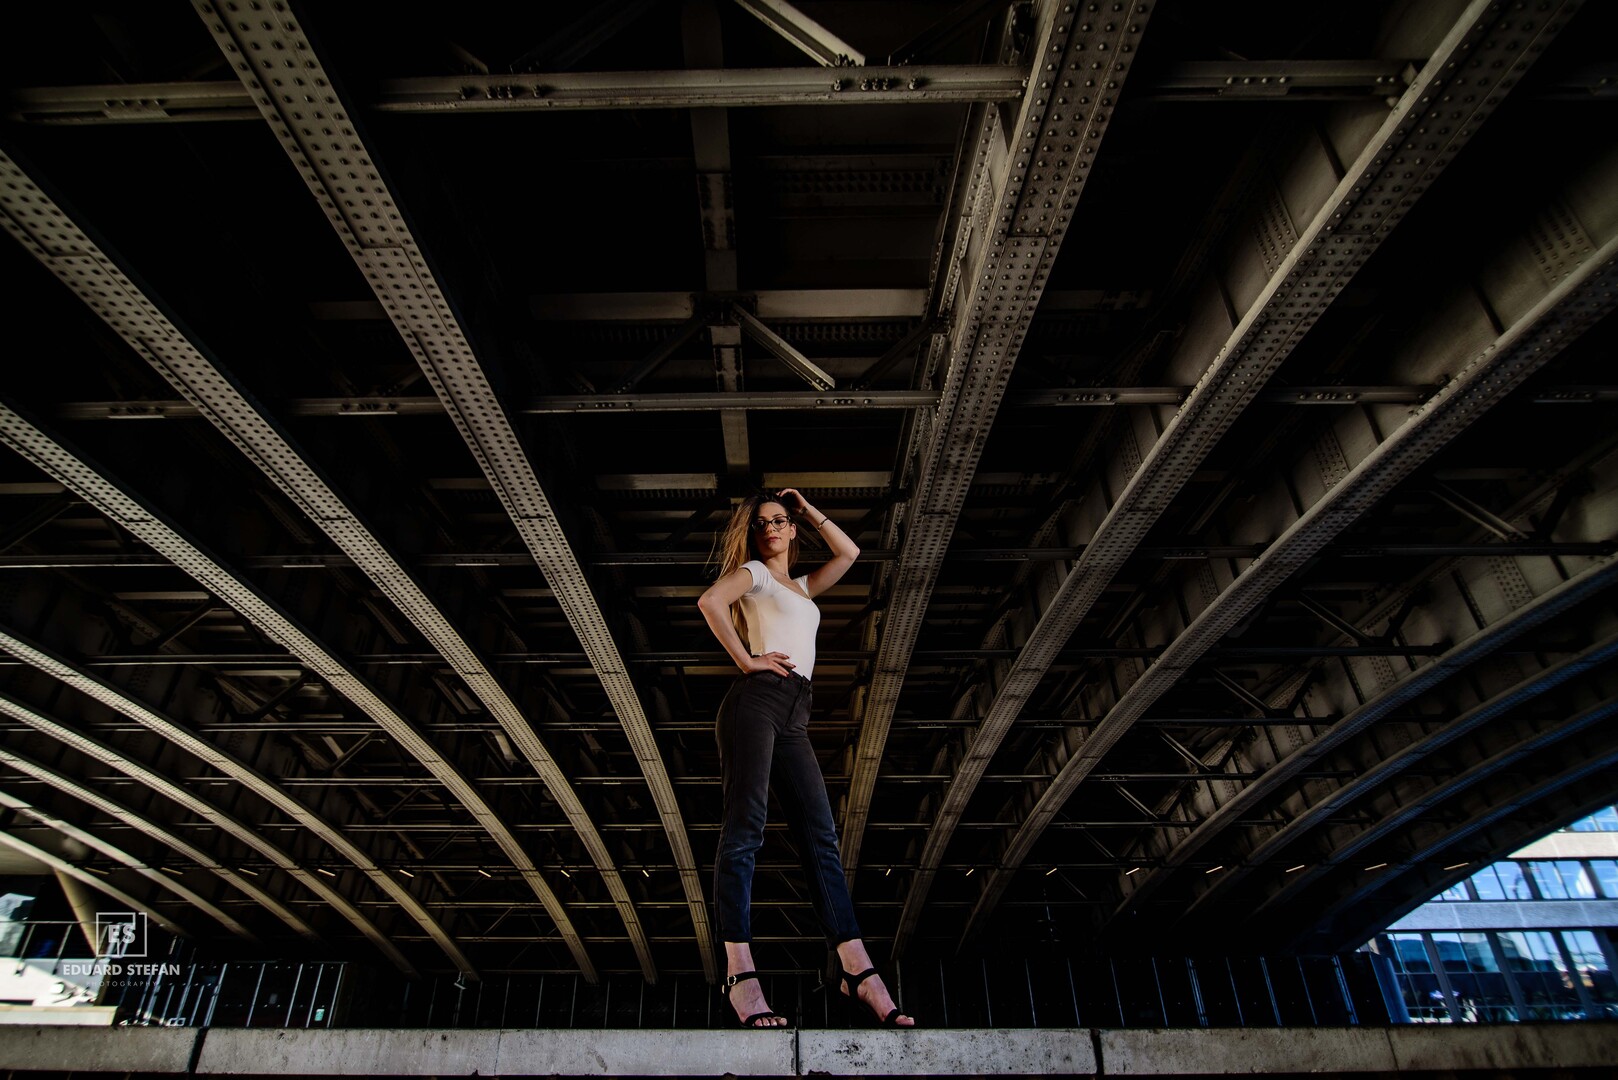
(823, 519)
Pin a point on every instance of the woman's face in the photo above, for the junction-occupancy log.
(774, 539)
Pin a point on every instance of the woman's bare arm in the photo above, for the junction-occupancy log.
(843, 549)
(715, 607)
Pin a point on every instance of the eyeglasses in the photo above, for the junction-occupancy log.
(761, 524)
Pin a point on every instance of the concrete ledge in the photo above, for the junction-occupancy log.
(1227, 1051)
(647, 1053)
(59, 1015)
(1589, 1047)
(121, 1050)
(359, 1051)
(948, 1052)
(1576, 1045)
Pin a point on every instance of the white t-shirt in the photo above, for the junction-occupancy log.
(780, 618)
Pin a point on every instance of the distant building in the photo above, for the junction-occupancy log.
(1528, 938)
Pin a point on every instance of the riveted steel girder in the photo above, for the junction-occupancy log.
(186, 364)
(807, 35)
(1359, 471)
(100, 884)
(1417, 804)
(1292, 277)
(165, 882)
(1351, 917)
(254, 780)
(241, 830)
(276, 62)
(143, 522)
(1027, 177)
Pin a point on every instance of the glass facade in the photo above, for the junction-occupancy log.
(1501, 975)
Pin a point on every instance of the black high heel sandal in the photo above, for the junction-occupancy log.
(752, 1022)
(851, 988)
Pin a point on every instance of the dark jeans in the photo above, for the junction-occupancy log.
(763, 734)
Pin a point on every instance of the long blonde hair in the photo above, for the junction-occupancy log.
(735, 545)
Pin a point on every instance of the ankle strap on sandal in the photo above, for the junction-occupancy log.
(740, 976)
(854, 981)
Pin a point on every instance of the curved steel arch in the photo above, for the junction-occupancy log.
(123, 507)
(118, 854)
(1602, 760)
(249, 777)
(1424, 801)
(143, 824)
(242, 831)
(1298, 826)
(1354, 216)
(292, 89)
(56, 862)
(1575, 303)
(95, 275)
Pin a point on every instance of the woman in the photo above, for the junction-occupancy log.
(766, 621)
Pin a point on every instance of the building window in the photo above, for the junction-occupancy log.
(1418, 983)
(1535, 960)
(1600, 821)
(1547, 880)
(1606, 871)
(1502, 881)
(1590, 964)
(1479, 986)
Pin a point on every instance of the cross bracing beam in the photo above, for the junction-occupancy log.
(94, 274)
(95, 881)
(277, 62)
(119, 505)
(148, 103)
(378, 407)
(1393, 764)
(254, 780)
(165, 882)
(248, 834)
(1026, 179)
(46, 560)
(806, 35)
(1286, 283)
(1541, 329)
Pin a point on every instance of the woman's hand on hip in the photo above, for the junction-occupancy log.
(778, 662)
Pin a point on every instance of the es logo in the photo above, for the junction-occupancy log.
(121, 934)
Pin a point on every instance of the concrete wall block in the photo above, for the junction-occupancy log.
(119, 1050)
(1217, 1051)
(645, 1053)
(1466, 1047)
(355, 1051)
(962, 1051)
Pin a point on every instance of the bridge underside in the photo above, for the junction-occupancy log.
(1221, 394)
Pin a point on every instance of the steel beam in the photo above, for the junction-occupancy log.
(1290, 280)
(1424, 802)
(95, 881)
(382, 407)
(151, 828)
(1284, 285)
(166, 882)
(1392, 765)
(147, 525)
(252, 779)
(1550, 311)
(1027, 177)
(249, 834)
(1558, 316)
(805, 34)
(316, 128)
(187, 365)
(1591, 763)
